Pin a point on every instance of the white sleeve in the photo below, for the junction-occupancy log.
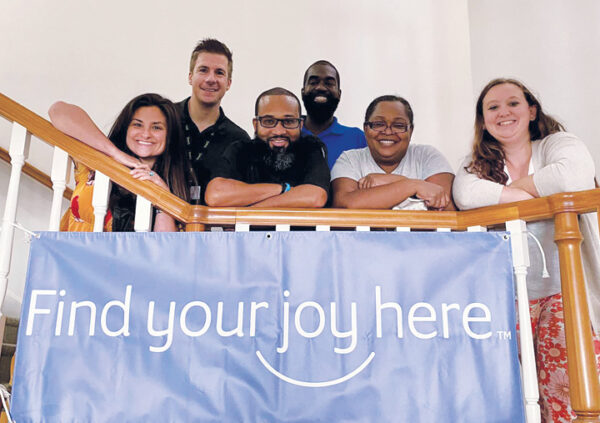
(433, 162)
(346, 166)
(567, 165)
(470, 191)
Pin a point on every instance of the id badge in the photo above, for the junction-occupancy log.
(195, 192)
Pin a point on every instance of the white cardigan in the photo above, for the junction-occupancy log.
(561, 163)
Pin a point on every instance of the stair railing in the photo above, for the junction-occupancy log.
(563, 208)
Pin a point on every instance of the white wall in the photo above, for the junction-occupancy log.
(437, 54)
(553, 46)
(99, 55)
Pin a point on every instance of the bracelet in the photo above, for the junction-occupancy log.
(285, 187)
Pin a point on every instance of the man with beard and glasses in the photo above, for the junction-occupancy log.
(321, 94)
(279, 167)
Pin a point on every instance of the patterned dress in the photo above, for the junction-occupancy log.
(79, 217)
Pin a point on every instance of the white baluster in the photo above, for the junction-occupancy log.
(18, 150)
(143, 215)
(443, 230)
(476, 228)
(322, 228)
(402, 229)
(282, 227)
(100, 200)
(242, 227)
(363, 228)
(520, 253)
(61, 165)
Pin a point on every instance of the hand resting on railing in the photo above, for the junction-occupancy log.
(145, 137)
(521, 153)
(391, 173)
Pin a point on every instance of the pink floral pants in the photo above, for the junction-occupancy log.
(548, 327)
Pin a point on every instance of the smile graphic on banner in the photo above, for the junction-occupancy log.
(278, 327)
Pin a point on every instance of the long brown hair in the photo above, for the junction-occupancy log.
(171, 165)
(488, 156)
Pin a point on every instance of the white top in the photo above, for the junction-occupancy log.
(419, 162)
(561, 163)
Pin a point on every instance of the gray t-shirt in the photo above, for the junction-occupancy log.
(419, 162)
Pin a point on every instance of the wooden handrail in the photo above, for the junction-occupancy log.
(85, 154)
(36, 174)
(563, 207)
(530, 210)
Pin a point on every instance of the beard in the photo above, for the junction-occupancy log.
(320, 112)
(279, 158)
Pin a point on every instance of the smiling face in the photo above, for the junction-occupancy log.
(210, 78)
(506, 114)
(321, 92)
(278, 107)
(388, 148)
(147, 133)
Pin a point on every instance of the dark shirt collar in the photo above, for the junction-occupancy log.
(188, 118)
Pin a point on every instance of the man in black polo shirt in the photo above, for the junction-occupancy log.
(207, 130)
(279, 168)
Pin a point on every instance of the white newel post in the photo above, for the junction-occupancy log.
(100, 200)
(143, 215)
(61, 165)
(520, 252)
(18, 150)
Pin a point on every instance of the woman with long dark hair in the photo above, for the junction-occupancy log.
(146, 137)
(519, 153)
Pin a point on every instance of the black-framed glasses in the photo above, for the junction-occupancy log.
(381, 126)
(271, 122)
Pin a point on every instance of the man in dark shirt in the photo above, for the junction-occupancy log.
(279, 168)
(207, 130)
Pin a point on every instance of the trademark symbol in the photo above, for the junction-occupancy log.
(503, 334)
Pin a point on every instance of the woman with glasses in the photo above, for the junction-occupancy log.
(519, 153)
(147, 138)
(390, 172)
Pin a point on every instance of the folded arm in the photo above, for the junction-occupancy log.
(224, 192)
(75, 122)
(470, 191)
(380, 191)
(523, 189)
(305, 195)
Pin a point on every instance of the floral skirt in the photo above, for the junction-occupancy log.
(548, 325)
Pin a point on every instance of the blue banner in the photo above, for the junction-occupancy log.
(268, 327)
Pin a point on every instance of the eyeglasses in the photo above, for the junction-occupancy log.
(381, 126)
(271, 122)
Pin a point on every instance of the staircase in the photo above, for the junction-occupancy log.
(564, 208)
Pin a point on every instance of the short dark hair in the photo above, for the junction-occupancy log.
(322, 62)
(277, 91)
(374, 103)
(211, 45)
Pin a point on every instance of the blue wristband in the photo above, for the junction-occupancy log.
(285, 187)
